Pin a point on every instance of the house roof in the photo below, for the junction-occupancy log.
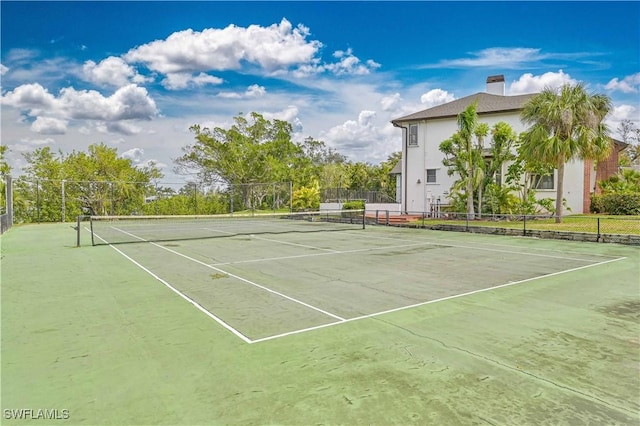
(397, 170)
(487, 103)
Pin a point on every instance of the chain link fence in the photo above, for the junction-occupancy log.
(6, 203)
(340, 195)
(46, 200)
(611, 229)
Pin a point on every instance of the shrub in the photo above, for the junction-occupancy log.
(353, 205)
(622, 203)
(306, 198)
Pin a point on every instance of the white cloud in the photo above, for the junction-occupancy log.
(121, 127)
(528, 83)
(619, 113)
(3, 69)
(49, 126)
(629, 84)
(38, 142)
(21, 55)
(289, 114)
(271, 48)
(253, 91)
(112, 71)
(353, 134)
(176, 81)
(127, 103)
(134, 154)
(510, 58)
(29, 96)
(350, 64)
(436, 97)
(390, 103)
(495, 57)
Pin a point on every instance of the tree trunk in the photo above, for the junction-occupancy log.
(470, 212)
(559, 191)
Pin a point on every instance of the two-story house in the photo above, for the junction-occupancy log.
(424, 180)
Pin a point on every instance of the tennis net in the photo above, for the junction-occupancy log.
(135, 229)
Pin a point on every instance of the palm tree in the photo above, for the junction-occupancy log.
(481, 131)
(467, 124)
(565, 124)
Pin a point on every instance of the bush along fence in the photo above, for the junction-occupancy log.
(607, 229)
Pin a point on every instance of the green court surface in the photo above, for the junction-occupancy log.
(363, 326)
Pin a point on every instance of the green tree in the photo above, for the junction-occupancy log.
(57, 185)
(105, 182)
(564, 125)
(462, 157)
(252, 150)
(630, 135)
(40, 187)
(5, 170)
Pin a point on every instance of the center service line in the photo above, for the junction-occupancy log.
(237, 277)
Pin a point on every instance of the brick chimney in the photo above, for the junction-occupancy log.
(495, 85)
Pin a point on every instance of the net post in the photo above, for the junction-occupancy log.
(93, 243)
(78, 230)
(364, 215)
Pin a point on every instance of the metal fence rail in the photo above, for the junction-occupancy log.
(624, 230)
(336, 195)
(6, 218)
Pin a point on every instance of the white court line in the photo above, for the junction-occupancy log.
(295, 244)
(235, 276)
(179, 293)
(298, 256)
(342, 320)
(415, 305)
(497, 245)
(478, 248)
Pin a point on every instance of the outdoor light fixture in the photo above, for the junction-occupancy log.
(418, 181)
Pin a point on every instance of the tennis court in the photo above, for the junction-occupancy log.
(263, 280)
(317, 322)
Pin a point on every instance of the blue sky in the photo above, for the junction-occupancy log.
(137, 75)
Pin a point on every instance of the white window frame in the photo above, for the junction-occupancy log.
(543, 182)
(412, 135)
(435, 176)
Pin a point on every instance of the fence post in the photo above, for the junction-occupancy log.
(112, 198)
(598, 237)
(78, 231)
(467, 221)
(524, 225)
(38, 199)
(9, 200)
(63, 202)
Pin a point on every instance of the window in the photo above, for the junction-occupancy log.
(431, 176)
(542, 181)
(498, 177)
(413, 135)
